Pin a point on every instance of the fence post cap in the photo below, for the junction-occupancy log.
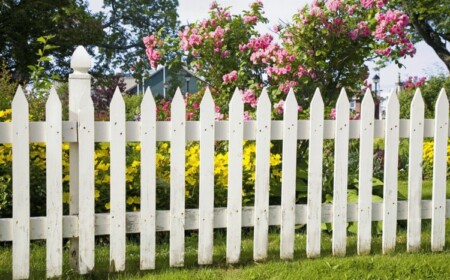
(81, 60)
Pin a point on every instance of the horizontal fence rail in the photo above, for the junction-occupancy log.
(83, 224)
(221, 130)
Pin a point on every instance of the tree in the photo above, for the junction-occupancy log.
(324, 46)
(113, 34)
(431, 21)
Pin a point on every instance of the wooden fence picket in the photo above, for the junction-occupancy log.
(390, 188)
(148, 182)
(118, 190)
(415, 173)
(177, 183)
(365, 174)
(54, 186)
(439, 172)
(21, 186)
(288, 184)
(262, 178)
(206, 196)
(339, 238)
(86, 216)
(315, 157)
(234, 200)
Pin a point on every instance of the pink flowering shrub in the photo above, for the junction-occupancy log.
(414, 82)
(325, 45)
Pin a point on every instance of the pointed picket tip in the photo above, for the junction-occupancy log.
(343, 98)
(207, 99)
(417, 99)
(117, 97)
(237, 97)
(317, 99)
(19, 97)
(81, 60)
(178, 99)
(53, 98)
(148, 98)
(264, 97)
(393, 100)
(442, 101)
(291, 102)
(368, 99)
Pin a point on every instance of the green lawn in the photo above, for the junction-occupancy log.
(398, 265)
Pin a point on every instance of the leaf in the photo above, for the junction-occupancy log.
(41, 40)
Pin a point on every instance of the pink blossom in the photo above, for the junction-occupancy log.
(333, 114)
(249, 97)
(250, 19)
(279, 106)
(333, 5)
(230, 77)
(247, 116)
(366, 3)
(195, 105)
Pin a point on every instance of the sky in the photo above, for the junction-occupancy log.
(424, 63)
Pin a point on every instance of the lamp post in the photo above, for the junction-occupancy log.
(187, 77)
(166, 86)
(376, 81)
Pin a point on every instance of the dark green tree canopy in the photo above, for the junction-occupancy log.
(113, 35)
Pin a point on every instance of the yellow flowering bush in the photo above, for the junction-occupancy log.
(102, 175)
(428, 155)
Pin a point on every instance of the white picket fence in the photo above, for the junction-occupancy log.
(83, 224)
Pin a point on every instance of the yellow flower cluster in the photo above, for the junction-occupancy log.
(428, 152)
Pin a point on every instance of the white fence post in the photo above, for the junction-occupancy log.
(86, 216)
(390, 188)
(439, 173)
(148, 181)
(117, 185)
(177, 180)
(415, 173)
(315, 157)
(54, 185)
(341, 142)
(79, 84)
(234, 200)
(365, 174)
(262, 180)
(206, 196)
(21, 186)
(288, 183)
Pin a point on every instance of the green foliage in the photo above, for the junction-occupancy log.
(114, 33)
(133, 106)
(430, 92)
(8, 87)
